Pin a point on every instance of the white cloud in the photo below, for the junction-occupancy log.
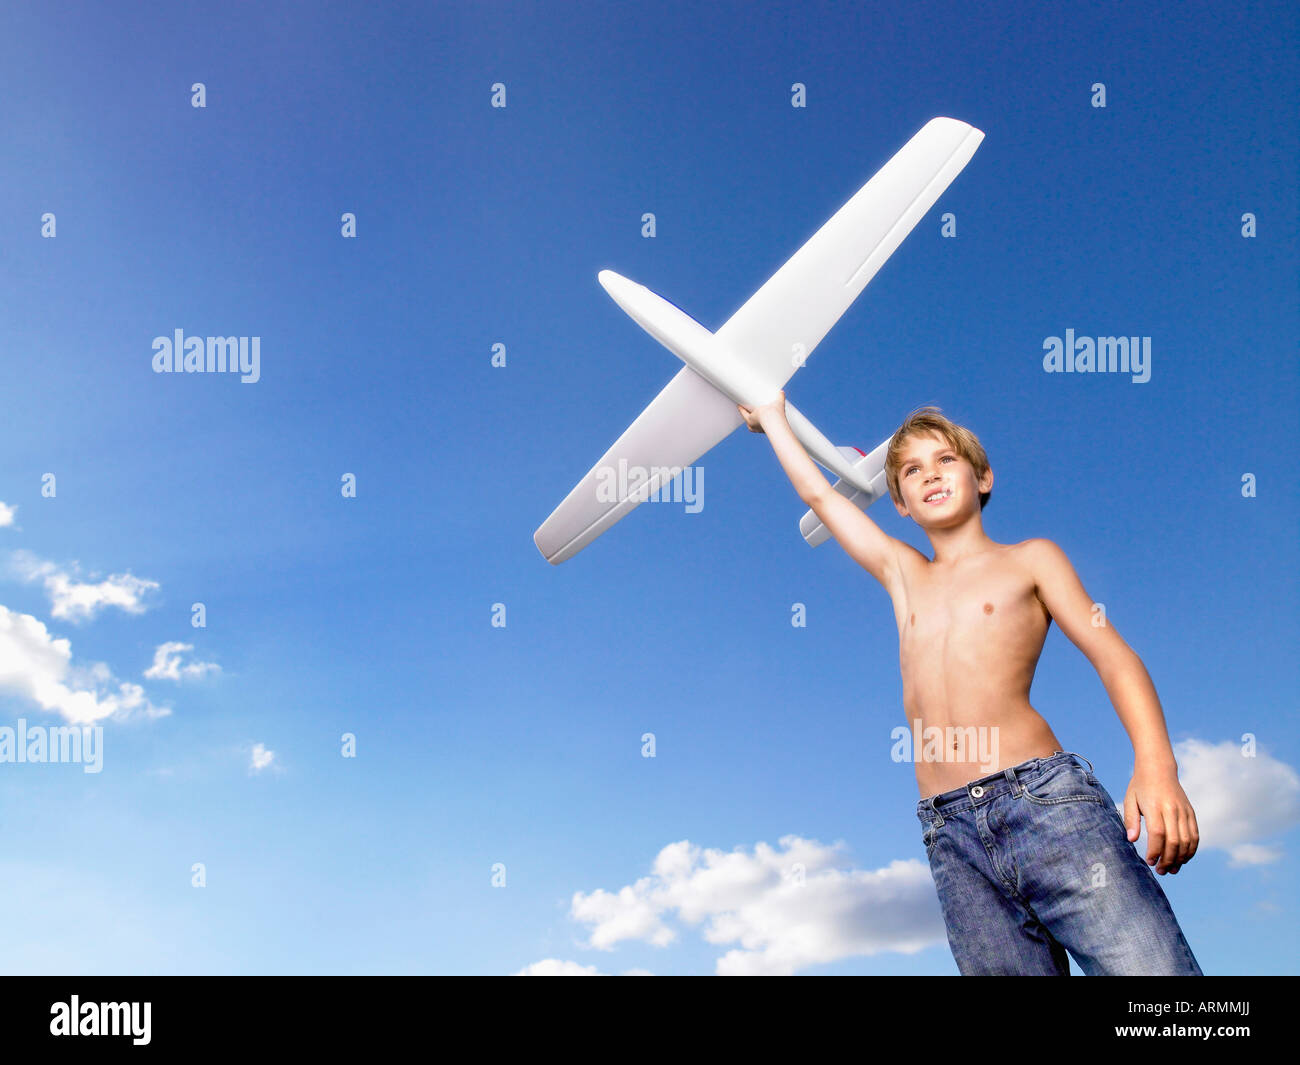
(38, 667)
(75, 600)
(1240, 801)
(261, 758)
(628, 914)
(7, 515)
(785, 909)
(556, 967)
(167, 663)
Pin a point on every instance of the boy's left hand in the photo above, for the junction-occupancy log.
(1172, 833)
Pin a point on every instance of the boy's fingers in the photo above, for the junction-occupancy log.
(1166, 840)
(1155, 837)
(1131, 820)
(1173, 840)
(1188, 833)
(1179, 838)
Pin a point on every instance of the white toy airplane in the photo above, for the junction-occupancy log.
(757, 351)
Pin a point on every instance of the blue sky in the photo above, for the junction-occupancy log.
(482, 747)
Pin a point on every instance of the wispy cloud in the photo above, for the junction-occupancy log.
(7, 513)
(261, 758)
(167, 663)
(36, 666)
(556, 967)
(75, 600)
(785, 908)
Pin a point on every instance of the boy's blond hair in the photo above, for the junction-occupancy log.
(924, 421)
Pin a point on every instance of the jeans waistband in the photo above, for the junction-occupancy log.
(988, 788)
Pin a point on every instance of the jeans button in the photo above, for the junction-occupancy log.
(976, 792)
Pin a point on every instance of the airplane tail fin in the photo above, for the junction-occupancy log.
(869, 466)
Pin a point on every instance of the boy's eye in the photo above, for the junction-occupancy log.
(911, 468)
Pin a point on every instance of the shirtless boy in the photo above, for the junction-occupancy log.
(1029, 855)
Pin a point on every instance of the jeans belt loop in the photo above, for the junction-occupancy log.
(938, 817)
(1010, 774)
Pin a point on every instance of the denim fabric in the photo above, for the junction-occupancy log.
(1033, 861)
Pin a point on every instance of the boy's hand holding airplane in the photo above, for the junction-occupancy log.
(754, 416)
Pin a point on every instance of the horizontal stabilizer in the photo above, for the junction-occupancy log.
(867, 467)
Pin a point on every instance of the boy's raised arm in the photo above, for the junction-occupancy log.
(864, 541)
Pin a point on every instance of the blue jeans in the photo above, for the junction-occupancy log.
(1033, 861)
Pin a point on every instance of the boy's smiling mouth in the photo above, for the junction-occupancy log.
(937, 496)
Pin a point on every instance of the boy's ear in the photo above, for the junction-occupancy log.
(986, 482)
(901, 508)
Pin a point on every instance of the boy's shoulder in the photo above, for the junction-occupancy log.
(1036, 547)
(1055, 582)
(1041, 553)
(1042, 559)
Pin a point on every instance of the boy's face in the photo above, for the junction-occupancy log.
(934, 470)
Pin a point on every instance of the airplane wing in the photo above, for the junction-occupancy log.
(772, 332)
(684, 421)
(798, 304)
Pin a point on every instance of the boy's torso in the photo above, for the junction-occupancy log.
(969, 636)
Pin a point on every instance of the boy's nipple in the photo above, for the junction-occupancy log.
(988, 608)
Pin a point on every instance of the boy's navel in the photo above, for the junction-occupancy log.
(913, 619)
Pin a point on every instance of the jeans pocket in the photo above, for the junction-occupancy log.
(1063, 783)
(928, 837)
(1109, 803)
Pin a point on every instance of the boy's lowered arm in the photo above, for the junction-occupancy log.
(1154, 792)
(862, 539)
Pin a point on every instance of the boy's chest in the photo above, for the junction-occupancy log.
(971, 603)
